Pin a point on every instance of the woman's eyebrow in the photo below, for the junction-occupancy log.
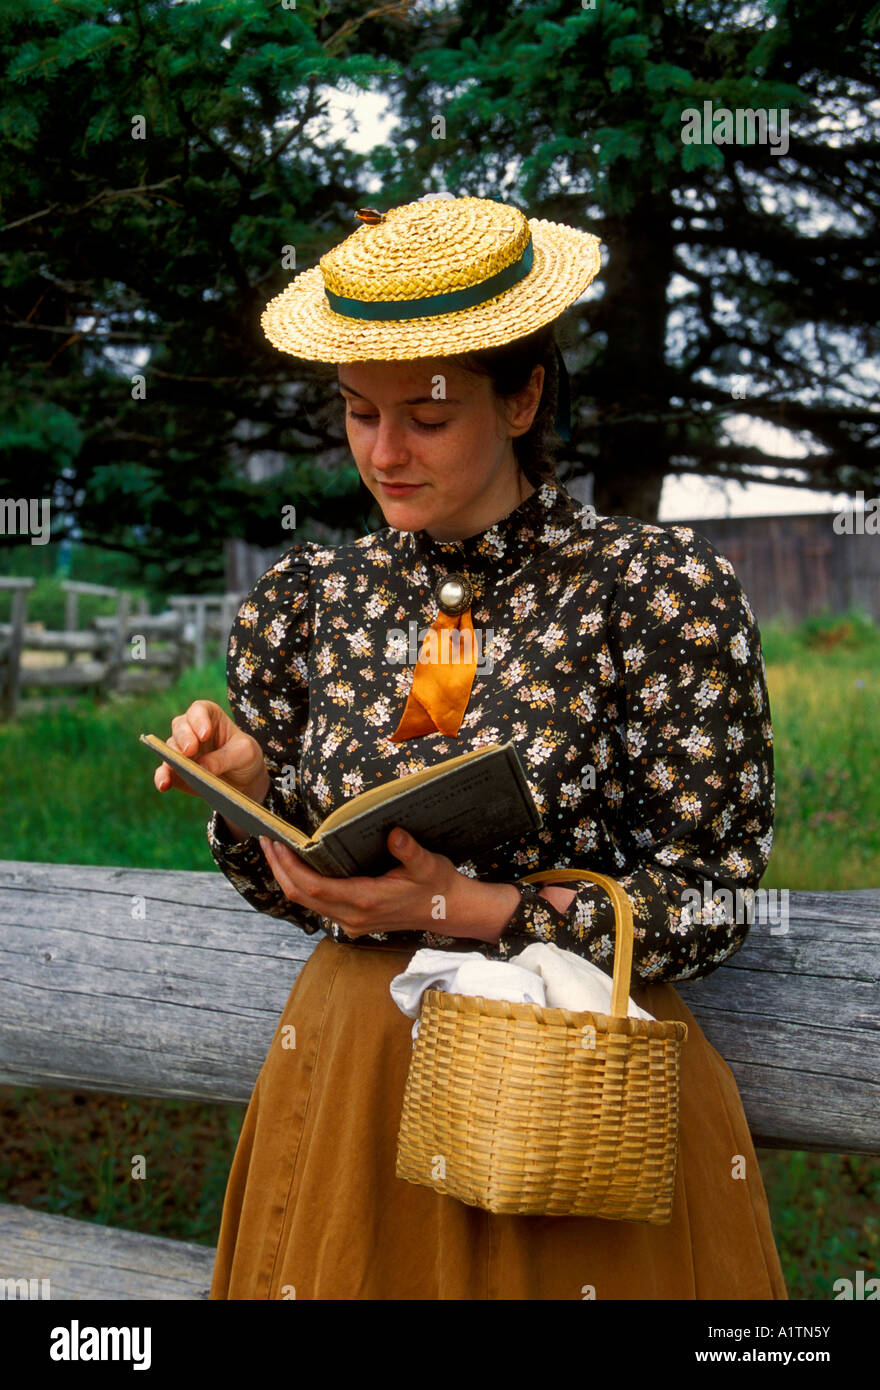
(414, 400)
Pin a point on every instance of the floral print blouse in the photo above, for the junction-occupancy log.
(622, 659)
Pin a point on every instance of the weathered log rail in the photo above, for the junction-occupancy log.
(165, 983)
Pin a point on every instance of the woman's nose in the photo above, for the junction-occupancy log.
(389, 445)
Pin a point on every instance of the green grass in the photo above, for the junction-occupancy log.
(81, 782)
(824, 1213)
(824, 685)
(72, 1153)
(82, 789)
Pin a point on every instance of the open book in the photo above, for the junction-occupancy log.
(460, 807)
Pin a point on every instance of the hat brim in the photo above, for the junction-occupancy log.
(300, 321)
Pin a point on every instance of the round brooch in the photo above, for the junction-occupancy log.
(454, 593)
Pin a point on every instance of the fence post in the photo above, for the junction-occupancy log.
(71, 603)
(11, 682)
(201, 612)
(73, 588)
(119, 658)
(229, 612)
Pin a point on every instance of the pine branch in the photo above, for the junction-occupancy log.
(108, 195)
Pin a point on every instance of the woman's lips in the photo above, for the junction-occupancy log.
(400, 489)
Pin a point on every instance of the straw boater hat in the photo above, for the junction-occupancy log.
(432, 278)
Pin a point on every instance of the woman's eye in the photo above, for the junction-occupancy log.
(419, 424)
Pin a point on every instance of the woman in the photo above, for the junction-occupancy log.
(625, 663)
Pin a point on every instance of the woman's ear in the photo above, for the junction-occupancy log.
(523, 407)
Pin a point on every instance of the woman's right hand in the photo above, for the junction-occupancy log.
(206, 734)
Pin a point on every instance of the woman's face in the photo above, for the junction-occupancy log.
(430, 445)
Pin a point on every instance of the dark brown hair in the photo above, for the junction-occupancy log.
(509, 368)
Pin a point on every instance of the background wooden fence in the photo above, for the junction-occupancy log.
(797, 566)
(175, 639)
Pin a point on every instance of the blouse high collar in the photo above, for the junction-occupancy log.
(543, 518)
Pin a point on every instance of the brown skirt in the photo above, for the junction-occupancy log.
(314, 1208)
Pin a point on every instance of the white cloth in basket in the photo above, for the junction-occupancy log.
(570, 982)
(541, 974)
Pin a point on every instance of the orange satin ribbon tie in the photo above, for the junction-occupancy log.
(442, 679)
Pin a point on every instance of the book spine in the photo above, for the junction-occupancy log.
(520, 776)
(329, 858)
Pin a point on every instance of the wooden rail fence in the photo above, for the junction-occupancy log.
(183, 999)
(177, 638)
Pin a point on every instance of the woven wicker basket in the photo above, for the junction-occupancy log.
(537, 1111)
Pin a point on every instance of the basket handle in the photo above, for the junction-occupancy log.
(623, 929)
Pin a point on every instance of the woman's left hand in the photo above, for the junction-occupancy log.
(425, 893)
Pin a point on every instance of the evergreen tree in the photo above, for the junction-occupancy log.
(740, 279)
(164, 171)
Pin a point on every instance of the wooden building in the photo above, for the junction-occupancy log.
(797, 565)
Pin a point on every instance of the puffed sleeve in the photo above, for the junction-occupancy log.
(267, 689)
(686, 782)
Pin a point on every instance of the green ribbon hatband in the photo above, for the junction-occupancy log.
(434, 304)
